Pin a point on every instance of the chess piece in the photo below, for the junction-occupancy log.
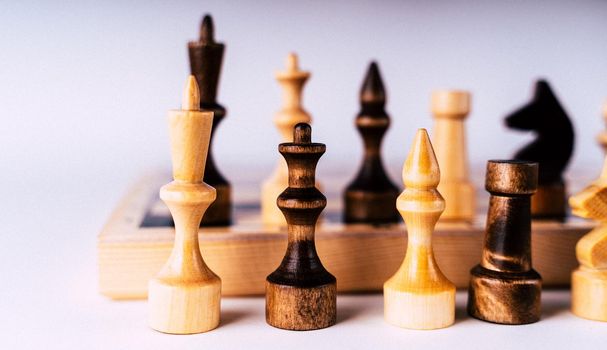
(370, 197)
(551, 149)
(300, 293)
(589, 281)
(450, 108)
(292, 81)
(504, 288)
(206, 56)
(419, 296)
(184, 297)
(602, 136)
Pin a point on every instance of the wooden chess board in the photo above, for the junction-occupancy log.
(138, 237)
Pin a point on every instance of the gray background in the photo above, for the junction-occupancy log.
(86, 85)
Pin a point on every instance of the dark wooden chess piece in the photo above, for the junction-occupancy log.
(206, 57)
(551, 149)
(301, 293)
(371, 196)
(504, 288)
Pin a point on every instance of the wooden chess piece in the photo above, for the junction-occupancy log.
(370, 197)
(602, 136)
(419, 296)
(504, 288)
(206, 56)
(292, 81)
(589, 281)
(184, 297)
(300, 293)
(551, 149)
(450, 109)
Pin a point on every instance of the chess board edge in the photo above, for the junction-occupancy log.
(362, 257)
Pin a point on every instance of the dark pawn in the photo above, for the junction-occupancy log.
(206, 57)
(301, 294)
(504, 288)
(552, 149)
(371, 196)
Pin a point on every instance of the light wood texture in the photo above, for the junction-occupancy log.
(361, 257)
(419, 296)
(504, 287)
(206, 56)
(301, 294)
(292, 81)
(450, 108)
(184, 297)
(589, 281)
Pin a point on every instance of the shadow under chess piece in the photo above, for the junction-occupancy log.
(504, 288)
(589, 281)
(206, 57)
(184, 297)
(301, 293)
(371, 196)
(551, 149)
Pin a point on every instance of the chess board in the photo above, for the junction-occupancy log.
(138, 237)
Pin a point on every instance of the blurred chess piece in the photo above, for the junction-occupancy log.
(206, 56)
(551, 149)
(370, 197)
(450, 109)
(292, 81)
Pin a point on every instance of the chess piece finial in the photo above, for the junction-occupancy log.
(370, 197)
(419, 296)
(301, 293)
(292, 81)
(551, 149)
(184, 297)
(589, 281)
(450, 108)
(602, 136)
(207, 30)
(206, 57)
(504, 288)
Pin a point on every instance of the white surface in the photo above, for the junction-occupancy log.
(49, 300)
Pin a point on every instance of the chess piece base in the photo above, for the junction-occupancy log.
(179, 307)
(301, 308)
(417, 310)
(549, 202)
(219, 213)
(503, 297)
(370, 207)
(589, 294)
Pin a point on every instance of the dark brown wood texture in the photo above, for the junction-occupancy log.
(504, 288)
(552, 149)
(301, 293)
(371, 196)
(206, 57)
